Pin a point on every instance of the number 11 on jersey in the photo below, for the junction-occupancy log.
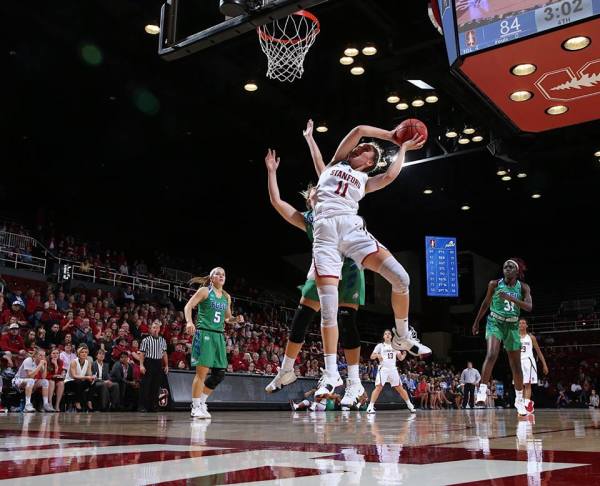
(344, 185)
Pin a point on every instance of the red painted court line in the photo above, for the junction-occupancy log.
(263, 473)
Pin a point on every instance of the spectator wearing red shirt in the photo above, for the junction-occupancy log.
(68, 324)
(16, 310)
(51, 314)
(262, 362)
(177, 359)
(12, 341)
(121, 347)
(237, 362)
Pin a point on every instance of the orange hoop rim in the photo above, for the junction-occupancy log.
(303, 13)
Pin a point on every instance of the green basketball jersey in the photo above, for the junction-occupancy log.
(211, 312)
(503, 307)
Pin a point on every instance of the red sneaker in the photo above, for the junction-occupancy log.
(529, 407)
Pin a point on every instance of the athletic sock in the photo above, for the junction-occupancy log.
(331, 364)
(27, 400)
(196, 402)
(288, 364)
(519, 394)
(402, 327)
(45, 400)
(203, 398)
(353, 372)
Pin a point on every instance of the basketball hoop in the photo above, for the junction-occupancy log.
(286, 41)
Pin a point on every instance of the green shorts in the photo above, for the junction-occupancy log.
(507, 332)
(208, 349)
(351, 289)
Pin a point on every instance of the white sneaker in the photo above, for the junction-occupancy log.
(354, 390)
(48, 408)
(371, 409)
(200, 412)
(411, 407)
(481, 396)
(520, 406)
(282, 378)
(409, 343)
(327, 383)
(29, 408)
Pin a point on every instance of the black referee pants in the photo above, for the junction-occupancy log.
(150, 385)
(469, 395)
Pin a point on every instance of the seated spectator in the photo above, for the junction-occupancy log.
(119, 349)
(562, 400)
(79, 379)
(56, 378)
(122, 374)
(29, 341)
(31, 376)
(177, 359)
(50, 315)
(16, 310)
(67, 323)
(67, 355)
(106, 390)
(54, 336)
(12, 341)
(85, 335)
(422, 392)
(594, 401)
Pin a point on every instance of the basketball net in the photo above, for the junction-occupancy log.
(286, 41)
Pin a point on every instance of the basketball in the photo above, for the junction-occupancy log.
(408, 129)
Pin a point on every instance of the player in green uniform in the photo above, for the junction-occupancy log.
(351, 290)
(505, 298)
(208, 345)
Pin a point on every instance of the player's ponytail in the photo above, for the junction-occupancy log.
(521, 267)
(201, 281)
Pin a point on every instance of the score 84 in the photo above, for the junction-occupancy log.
(510, 26)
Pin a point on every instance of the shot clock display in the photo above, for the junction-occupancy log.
(487, 23)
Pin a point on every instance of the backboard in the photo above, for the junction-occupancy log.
(189, 26)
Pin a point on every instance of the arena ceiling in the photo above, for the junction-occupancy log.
(141, 152)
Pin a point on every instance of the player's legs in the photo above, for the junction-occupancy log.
(59, 390)
(374, 396)
(527, 391)
(350, 341)
(493, 349)
(514, 359)
(404, 395)
(198, 383)
(384, 263)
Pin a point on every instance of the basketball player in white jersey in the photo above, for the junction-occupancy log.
(528, 364)
(339, 232)
(388, 372)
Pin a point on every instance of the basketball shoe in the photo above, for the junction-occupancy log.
(354, 390)
(282, 378)
(328, 383)
(409, 343)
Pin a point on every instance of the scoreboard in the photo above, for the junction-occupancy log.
(442, 266)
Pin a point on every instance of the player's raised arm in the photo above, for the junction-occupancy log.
(485, 305)
(382, 180)
(353, 138)
(286, 210)
(315, 153)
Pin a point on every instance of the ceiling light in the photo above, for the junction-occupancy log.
(393, 98)
(322, 128)
(521, 96)
(523, 69)
(402, 106)
(576, 43)
(522, 175)
(346, 61)
(536, 196)
(152, 29)
(417, 102)
(451, 133)
(597, 153)
(501, 172)
(369, 50)
(357, 70)
(351, 51)
(557, 110)
(251, 86)
(420, 84)
(468, 130)
(432, 98)
(463, 140)
(465, 207)
(477, 138)
(506, 178)
(428, 191)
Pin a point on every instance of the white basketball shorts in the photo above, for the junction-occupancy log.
(529, 371)
(387, 375)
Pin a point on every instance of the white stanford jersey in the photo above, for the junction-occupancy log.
(388, 353)
(339, 189)
(526, 347)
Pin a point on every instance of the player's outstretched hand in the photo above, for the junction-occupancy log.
(271, 160)
(475, 329)
(414, 143)
(190, 329)
(308, 131)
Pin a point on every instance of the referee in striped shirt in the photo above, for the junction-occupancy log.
(154, 353)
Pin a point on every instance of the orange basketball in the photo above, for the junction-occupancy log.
(408, 129)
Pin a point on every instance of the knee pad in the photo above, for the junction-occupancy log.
(217, 375)
(302, 319)
(395, 274)
(349, 336)
(328, 296)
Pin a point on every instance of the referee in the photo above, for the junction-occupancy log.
(470, 377)
(153, 350)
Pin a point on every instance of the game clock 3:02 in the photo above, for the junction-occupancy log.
(563, 9)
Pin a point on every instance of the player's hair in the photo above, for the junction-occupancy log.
(387, 330)
(306, 194)
(522, 267)
(378, 158)
(205, 281)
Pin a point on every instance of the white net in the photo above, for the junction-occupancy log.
(286, 42)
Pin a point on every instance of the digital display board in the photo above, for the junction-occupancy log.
(487, 23)
(441, 266)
